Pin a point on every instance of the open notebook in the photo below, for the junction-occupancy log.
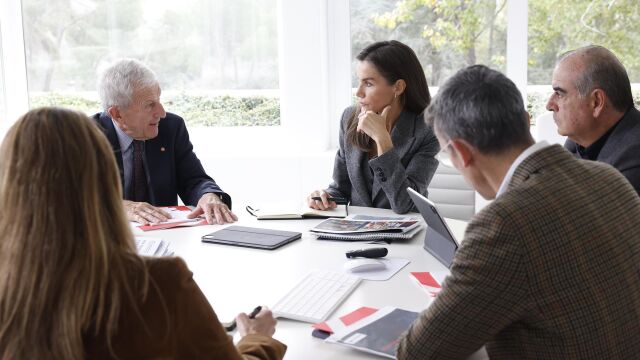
(283, 212)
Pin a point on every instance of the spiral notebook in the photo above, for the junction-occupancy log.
(368, 236)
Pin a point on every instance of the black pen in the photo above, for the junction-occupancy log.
(255, 312)
(337, 200)
(232, 325)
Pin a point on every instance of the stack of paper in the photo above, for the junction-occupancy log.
(363, 228)
(148, 246)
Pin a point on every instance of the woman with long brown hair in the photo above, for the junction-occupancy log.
(72, 286)
(385, 145)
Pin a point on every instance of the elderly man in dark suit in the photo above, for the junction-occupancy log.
(152, 148)
(551, 268)
(593, 106)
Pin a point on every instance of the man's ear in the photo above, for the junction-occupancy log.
(114, 112)
(464, 151)
(597, 102)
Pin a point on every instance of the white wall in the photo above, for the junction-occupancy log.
(255, 179)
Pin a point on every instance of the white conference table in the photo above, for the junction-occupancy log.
(237, 279)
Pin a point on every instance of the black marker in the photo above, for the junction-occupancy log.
(232, 325)
(368, 253)
(255, 312)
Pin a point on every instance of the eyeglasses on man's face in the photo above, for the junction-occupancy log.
(444, 155)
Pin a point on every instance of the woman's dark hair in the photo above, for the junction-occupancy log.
(394, 61)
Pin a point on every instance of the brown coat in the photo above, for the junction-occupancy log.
(177, 322)
(549, 270)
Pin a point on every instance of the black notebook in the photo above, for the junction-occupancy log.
(252, 237)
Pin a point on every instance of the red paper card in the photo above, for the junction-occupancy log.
(346, 320)
(425, 278)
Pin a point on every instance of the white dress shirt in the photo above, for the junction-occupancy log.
(525, 154)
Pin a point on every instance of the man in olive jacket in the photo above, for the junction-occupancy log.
(551, 268)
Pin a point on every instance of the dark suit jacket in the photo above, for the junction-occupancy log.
(411, 163)
(622, 149)
(175, 321)
(549, 270)
(172, 167)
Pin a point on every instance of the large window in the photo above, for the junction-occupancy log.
(225, 63)
(3, 109)
(446, 35)
(559, 26)
(217, 60)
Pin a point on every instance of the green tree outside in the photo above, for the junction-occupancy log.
(448, 35)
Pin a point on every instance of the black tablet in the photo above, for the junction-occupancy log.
(438, 241)
(252, 237)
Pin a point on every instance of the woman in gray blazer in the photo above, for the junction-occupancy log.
(385, 145)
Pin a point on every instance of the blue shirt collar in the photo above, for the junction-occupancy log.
(124, 139)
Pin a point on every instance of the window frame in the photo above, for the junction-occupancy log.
(13, 64)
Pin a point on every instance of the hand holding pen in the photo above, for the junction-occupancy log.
(322, 200)
(232, 325)
(259, 321)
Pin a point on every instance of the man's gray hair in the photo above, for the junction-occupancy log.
(602, 70)
(482, 107)
(118, 80)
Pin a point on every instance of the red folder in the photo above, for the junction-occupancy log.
(171, 224)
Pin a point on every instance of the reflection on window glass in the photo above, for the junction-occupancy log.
(216, 60)
(446, 35)
(559, 26)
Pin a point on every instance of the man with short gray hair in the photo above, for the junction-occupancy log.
(152, 149)
(593, 106)
(549, 269)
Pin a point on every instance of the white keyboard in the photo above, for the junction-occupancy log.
(315, 297)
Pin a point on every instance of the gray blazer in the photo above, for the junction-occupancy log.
(382, 181)
(622, 149)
